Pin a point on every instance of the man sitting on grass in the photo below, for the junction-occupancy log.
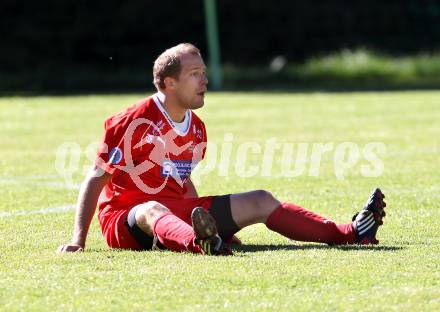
(141, 178)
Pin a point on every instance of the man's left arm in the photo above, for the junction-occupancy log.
(191, 191)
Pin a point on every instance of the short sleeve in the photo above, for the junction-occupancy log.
(125, 140)
(204, 140)
(111, 151)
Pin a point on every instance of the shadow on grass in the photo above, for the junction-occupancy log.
(265, 247)
(257, 248)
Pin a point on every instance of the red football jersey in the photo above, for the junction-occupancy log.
(149, 158)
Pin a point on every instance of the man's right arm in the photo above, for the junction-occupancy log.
(86, 205)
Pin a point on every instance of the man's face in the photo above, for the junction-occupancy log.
(191, 86)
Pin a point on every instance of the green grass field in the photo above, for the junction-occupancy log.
(269, 272)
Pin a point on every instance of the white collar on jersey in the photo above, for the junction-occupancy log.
(181, 128)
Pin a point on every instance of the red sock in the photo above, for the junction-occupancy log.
(175, 234)
(299, 224)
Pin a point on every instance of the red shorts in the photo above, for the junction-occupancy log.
(114, 226)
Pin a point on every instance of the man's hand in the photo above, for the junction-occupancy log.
(69, 248)
(191, 191)
(88, 196)
(233, 240)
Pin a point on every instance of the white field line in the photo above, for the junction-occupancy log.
(53, 184)
(67, 208)
(33, 180)
(63, 208)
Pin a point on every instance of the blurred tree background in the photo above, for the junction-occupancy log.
(110, 45)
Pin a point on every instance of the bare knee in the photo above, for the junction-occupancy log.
(264, 199)
(252, 207)
(265, 204)
(147, 214)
